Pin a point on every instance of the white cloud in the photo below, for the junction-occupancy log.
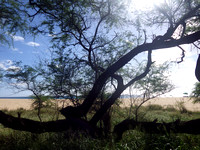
(2, 66)
(6, 64)
(33, 44)
(9, 62)
(17, 38)
(14, 68)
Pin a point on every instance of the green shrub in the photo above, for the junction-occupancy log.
(170, 108)
(132, 139)
(154, 107)
(181, 107)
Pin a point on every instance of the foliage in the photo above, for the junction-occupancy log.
(195, 95)
(12, 139)
(13, 19)
(93, 44)
(181, 107)
(154, 84)
(41, 101)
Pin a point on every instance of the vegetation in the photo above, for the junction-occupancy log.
(195, 95)
(133, 139)
(13, 20)
(94, 45)
(154, 84)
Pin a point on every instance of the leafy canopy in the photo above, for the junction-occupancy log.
(13, 20)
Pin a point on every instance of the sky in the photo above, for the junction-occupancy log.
(29, 49)
(182, 75)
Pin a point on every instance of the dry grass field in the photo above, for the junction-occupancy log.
(169, 101)
(13, 104)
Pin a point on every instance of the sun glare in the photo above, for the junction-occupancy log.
(144, 4)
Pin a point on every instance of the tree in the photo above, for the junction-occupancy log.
(13, 19)
(195, 95)
(154, 84)
(28, 78)
(98, 36)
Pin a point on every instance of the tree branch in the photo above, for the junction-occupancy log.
(189, 127)
(42, 127)
(147, 69)
(183, 54)
(86, 105)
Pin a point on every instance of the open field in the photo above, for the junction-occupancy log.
(132, 139)
(12, 104)
(169, 101)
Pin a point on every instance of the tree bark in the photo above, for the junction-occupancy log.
(32, 126)
(197, 69)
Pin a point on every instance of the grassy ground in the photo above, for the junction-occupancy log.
(18, 140)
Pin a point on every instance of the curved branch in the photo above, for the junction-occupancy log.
(147, 69)
(42, 127)
(162, 11)
(98, 24)
(190, 127)
(183, 54)
(119, 90)
(88, 102)
(182, 20)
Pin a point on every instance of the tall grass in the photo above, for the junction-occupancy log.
(132, 140)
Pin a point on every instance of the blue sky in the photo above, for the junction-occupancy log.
(21, 49)
(29, 49)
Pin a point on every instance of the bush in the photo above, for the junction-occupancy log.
(42, 102)
(154, 107)
(170, 108)
(181, 107)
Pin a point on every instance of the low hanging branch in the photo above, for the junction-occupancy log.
(32, 126)
(189, 127)
(120, 88)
